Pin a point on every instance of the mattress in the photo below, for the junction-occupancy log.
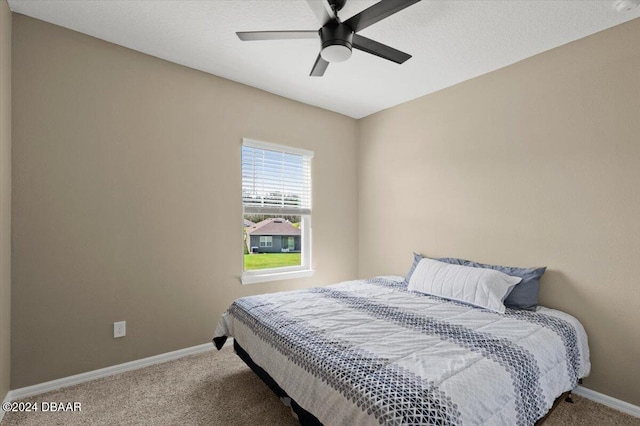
(370, 352)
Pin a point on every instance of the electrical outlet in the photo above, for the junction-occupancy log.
(119, 329)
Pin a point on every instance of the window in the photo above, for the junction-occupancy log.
(266, 241)
(276, 201)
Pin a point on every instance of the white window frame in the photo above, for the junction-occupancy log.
(268, 241)
(303, 270)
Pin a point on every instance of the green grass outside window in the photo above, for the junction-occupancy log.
(270, 260)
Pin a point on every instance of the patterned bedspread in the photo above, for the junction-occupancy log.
(371, 352)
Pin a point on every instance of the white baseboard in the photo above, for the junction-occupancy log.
(607, 400)
(104, 372)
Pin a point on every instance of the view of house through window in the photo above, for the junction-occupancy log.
(276, 202)
(271, 241)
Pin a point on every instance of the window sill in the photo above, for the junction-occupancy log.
(276, 276)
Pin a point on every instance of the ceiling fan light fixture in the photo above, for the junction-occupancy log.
(336, 52)
(336, 42)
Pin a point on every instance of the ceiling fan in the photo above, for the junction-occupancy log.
(338, 38)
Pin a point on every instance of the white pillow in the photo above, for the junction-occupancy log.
(486, 288)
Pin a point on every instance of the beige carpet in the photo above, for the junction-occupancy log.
(215, 388)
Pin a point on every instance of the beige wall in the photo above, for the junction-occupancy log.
(5, 197)
(534, 164)
(127, 205)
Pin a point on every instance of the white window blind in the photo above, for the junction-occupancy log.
(275, 179)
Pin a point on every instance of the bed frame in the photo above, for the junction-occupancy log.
(305, 417)
(308, 419)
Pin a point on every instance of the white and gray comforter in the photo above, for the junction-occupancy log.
(371, 352)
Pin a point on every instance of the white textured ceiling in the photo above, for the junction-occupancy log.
(451, 41)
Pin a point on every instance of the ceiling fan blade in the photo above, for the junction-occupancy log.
(276, 35)
(322, 11)
(379, 49)
(377, 12)
(319, 67)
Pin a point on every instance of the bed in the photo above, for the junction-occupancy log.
(372, 352)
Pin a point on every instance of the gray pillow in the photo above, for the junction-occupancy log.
(523, 296)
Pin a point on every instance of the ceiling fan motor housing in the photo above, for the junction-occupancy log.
(337, 4)
(336, 42)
